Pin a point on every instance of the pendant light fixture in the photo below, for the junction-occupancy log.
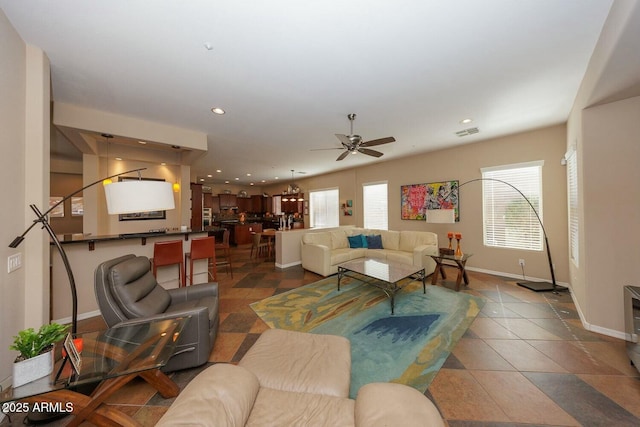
(291, 194)
(176, 185)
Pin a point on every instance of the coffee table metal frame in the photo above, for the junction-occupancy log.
(387, 275)
(112, 358)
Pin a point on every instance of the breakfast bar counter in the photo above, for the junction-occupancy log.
(86, 252)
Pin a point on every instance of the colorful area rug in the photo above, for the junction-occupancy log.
(408, 347)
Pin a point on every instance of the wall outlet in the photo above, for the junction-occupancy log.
(14, 262)
(521, 262)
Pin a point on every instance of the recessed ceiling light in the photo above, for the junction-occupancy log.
(209, 176)
(251, 183)
(465, 121)
(201, 179)
(248, 174)
(218, 171)
(142, 142)
(163, 163)
(217, 110)
(237, 179)
(118, 158)
(277, 177)
(226, 182)
(263, 181)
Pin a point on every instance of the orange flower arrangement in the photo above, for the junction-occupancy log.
(458, 236)
(450, 234)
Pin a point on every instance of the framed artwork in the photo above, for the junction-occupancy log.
(77, 206)
(138, 216)
(415, 199)
(347, 208)
(58, 212)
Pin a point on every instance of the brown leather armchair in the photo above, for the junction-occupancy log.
(127, 291)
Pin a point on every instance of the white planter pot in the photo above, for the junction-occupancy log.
(32, 369)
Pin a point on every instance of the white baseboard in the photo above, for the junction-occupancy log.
(293, 264)
(81, 316)
(588, 326)
(515, 276)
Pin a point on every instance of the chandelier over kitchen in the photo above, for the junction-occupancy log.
(292, 192)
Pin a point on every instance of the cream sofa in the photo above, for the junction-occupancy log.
(295, 379)
(322, 251)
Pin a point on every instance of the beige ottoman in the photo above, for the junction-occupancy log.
(301, 362)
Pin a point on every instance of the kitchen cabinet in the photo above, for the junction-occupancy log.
(227, 201)
(243, 232)
(215, 205)
(207, 200)
(261, 204)
(196, 206)
(293, 206)
(244, 204)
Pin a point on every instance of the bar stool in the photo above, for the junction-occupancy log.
(203, 248)
(169, 253)
(224, 249)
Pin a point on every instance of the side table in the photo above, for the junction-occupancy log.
(446, 260)
(111, 358)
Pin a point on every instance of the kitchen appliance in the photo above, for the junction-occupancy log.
(206, 217)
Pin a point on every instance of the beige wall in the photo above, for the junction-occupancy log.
(463, 163)
(611, 154)
(12, 137)
(602, 129)
(25, 123)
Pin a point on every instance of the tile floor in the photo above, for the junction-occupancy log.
(525, 360)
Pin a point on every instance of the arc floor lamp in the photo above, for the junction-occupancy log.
(448, 216)
(122, 197)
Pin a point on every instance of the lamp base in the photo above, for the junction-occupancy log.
(541, 286)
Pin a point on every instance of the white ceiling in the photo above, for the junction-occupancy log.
(288, 72)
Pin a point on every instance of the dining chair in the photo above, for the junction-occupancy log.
(259, 245)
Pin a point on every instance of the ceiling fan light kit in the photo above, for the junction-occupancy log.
(353, 143)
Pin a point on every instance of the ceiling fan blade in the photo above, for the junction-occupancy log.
(368, 152)
(322, 149)
(344, 139)
(343, 155)
(378, 141)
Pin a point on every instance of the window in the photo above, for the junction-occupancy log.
(572, 184)
(324, 208)
(509, 221)
(277, 205)
(375, 205)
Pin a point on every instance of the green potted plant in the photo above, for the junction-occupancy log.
(36, 356)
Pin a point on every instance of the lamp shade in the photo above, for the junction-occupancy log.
(441, 216)
(139, 196)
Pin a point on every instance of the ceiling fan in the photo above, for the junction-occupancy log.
(353, 143)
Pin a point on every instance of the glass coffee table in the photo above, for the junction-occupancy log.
(387, 275)
(110, 359)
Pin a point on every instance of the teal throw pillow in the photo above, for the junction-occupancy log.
(374, 241)
(357, 241)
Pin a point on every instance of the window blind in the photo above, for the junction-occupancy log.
(375, 206)
(509, 221)
(324, 208)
